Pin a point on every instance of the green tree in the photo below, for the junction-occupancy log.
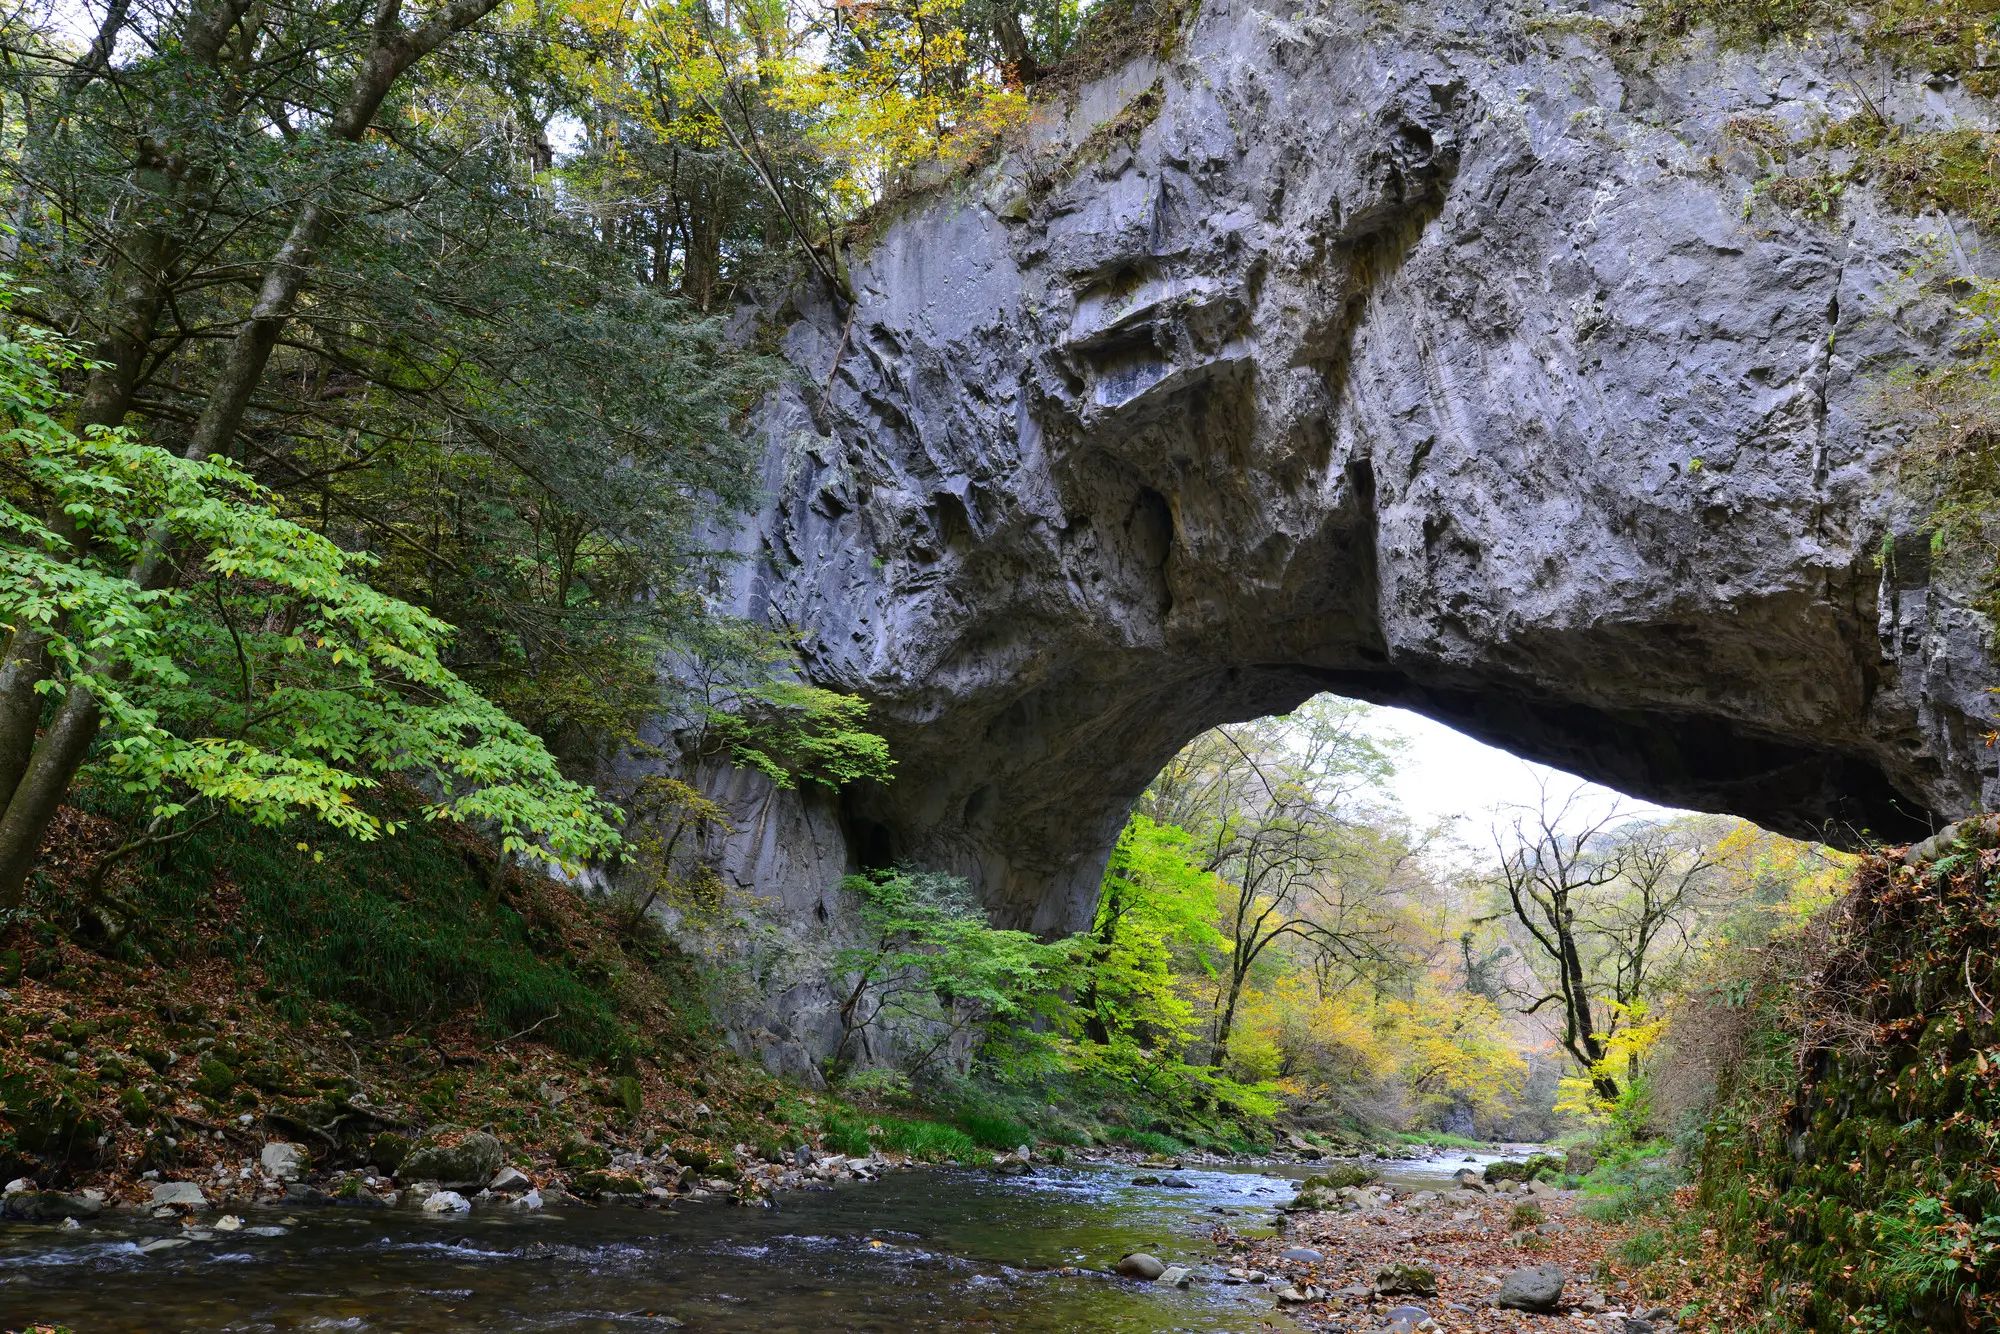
(263, 676)
(930, 960)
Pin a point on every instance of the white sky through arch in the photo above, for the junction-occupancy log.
(1445, 777)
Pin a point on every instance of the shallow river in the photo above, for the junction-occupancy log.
(916, 1251)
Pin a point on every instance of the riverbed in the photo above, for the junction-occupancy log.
(942, 1249)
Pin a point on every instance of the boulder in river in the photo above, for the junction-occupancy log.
(1179, 1276)
(454, 1157)
(179, 1195)
(1399, 1279)
(509, 1181)
(446, 1202)
(1537, 1288)
(46, 1206)
(1177, 1183)
(1141, 1265)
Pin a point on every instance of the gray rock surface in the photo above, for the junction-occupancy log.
(1538, 1288)
(285, 1161)
(467, 1163)
(179, 1195)
(1141, 1265)
(1428, 354)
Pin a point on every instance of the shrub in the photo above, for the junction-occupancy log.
(1526, 1214)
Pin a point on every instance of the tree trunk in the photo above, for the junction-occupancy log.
(1018, 66)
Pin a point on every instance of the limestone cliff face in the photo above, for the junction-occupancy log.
(1426, 354)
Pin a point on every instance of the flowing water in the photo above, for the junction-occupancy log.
(916, 1251)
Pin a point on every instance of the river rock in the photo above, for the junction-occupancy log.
(1305, 1255)
(179, 1195)
(1141, 1265)
(1409, 1315)
(1399, 1278)
(1011, 1165)
(285, 1161)
(1297, 1295)
(509, 1181)
(531, 1200)
(1469, 1178)
(1179, 1276)
(1538, 1288)
(1145, 1181)
(1176, 1182)
(45, 1206)
(446, 1202)
(454, 1158)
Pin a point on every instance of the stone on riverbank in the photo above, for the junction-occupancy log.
(46, 1206)
(1538, 1288)
(454, 1158)
(446, 1202)
(1399, 1279)
(179, 1195)
(1141, 1265)
(285, 1161)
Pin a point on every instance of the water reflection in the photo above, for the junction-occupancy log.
(918, 1251)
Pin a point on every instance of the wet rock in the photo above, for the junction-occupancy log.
(1146, 1181)
(454, 1158)
(300, 1194)
(1179, 1276)
(1538, 1288)
(1302, 1255)
(1011, 1165)
(446, 1202)
(509, 1181)
(1141, 1265)
(1399, 1279)
(285, 1161)
(228, 1223)
(179, 1195)
(1176, 1182)
(159, 1244)
(1241, 1275)
(46, 1206)
(531, 1200)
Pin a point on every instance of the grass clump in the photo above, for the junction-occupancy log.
(928, 1141)
(993, 1131)
(1527, 1214)
(1166, 1146)
(1630, 1183)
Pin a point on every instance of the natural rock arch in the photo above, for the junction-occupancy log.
(1434, 360)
